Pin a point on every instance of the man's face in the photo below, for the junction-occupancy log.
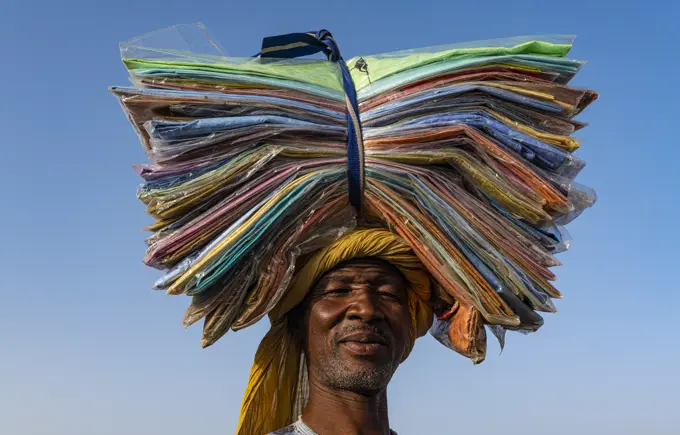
(356, 326)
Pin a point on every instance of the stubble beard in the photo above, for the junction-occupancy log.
(363, 379)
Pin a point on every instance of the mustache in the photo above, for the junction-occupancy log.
(363, 327)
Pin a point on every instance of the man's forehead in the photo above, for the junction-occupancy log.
(362, 269)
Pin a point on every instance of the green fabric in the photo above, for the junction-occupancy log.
(539, 63)
(326, 74)
(381, 66)
(319, 72)
(214, 78)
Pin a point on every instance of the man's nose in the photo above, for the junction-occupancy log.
(364, 305)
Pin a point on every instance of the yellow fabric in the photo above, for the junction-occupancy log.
(269, 400)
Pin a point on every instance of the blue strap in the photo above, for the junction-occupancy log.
(303, 44)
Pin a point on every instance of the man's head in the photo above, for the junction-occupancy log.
(355, 324)
(350, 321)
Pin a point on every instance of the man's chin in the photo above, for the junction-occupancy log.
(364, 382)
(362, 374)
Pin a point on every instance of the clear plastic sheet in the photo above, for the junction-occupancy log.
(171, 52)
(380, 66)
(469, 157)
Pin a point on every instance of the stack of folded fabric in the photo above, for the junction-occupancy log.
(467, 154)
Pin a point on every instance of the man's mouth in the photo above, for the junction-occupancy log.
(363, 337)
(363, 342)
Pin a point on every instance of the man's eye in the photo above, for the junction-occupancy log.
(390, 295)
(337, 292)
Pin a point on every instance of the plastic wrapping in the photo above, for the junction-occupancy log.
(173, 52)
(462, 330)
(469, 157)
(380, 66)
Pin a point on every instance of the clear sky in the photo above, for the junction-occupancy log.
(87, 348)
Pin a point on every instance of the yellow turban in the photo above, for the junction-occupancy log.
(278, 373)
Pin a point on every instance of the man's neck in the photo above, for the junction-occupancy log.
(331, 412)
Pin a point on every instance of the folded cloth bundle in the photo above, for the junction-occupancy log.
(466, 153)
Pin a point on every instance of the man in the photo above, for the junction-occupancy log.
(350, 317)
(354, 324)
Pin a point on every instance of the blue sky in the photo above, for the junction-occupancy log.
(87, 348)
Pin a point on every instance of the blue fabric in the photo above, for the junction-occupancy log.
(302, 44)
(355, 157)
(529, 148)
(176, 130)
(291, 45)
(439, 95)
(295, 45)
(532, 149)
